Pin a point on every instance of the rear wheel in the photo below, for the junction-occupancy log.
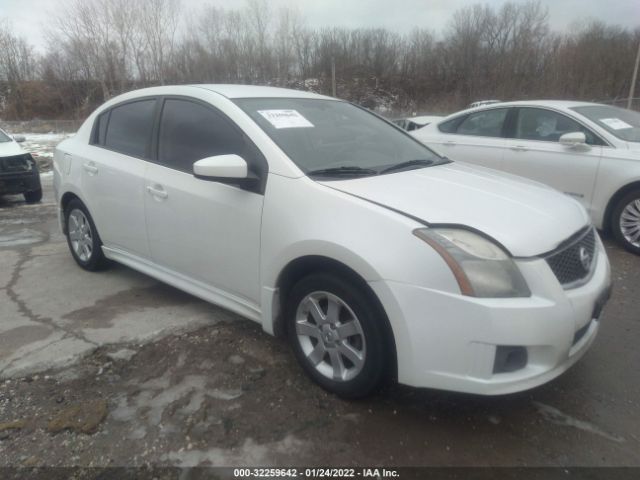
(626, 221)
(82, 237)
(33, 197)
(337, 335)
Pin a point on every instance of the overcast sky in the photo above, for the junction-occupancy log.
(29, 16)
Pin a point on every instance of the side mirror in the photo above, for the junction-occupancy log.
(228, 169)
(573, 139)
(19, 138)
(220, 167)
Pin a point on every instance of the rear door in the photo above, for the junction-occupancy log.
(112, 173)
(204, 230)
(475, 138)
(534, 151)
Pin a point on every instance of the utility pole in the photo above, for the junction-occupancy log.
(333, 75)
(634, 78)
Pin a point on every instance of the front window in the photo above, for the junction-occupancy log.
(623, 123)
(190, 131)
(548, 126)
(330, 136)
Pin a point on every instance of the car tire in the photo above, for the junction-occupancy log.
(34, 196)
(625, 222)
(82, 237)
(342, 345)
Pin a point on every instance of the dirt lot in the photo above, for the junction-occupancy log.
(115, 369)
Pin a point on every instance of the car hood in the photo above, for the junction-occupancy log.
(526, 217)
(8, 149)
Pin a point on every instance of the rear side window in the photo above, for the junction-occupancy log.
(450, 126)
(190, 132)
(487, 123)
(129, 128)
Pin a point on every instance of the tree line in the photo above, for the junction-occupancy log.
(96, 49)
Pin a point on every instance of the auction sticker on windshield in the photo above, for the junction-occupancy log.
(615, 123)
(285, 119)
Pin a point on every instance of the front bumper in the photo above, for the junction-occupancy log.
(450, 341)
(15, 183)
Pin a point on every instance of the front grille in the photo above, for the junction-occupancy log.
(15, 164)
(572, 264)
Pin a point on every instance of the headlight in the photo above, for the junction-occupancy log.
(481, 268)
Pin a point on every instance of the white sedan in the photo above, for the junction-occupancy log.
(586, 150)
(316, 218)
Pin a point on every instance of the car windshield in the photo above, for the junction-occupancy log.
(333, 137)
(4, 137)
(623, 123)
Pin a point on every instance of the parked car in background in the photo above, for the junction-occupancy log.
(414, 123)
(586, 150)
(482, 103)
(18, 170)
(318, 219)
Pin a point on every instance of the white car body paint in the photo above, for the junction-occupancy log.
(229, 246)
(592, 175)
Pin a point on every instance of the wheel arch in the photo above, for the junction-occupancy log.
(302, 266)
(64, 201)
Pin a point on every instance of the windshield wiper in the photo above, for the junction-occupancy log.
(410, 163)
(344, 170)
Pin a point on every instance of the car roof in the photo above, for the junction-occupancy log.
(257, 91)
(557, 104)
(547, 103)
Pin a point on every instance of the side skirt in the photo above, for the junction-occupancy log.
(236, 304)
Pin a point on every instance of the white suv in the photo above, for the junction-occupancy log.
(586, 150)
(320, 220)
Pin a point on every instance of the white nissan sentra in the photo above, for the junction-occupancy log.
(316, 218)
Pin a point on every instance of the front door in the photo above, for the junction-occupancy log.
(206, 231)
(535, 152)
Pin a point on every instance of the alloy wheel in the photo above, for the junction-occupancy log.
(80, 235)
(630, 223)
(331, 336)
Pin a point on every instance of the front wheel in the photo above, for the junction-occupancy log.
(626, 221)
(337, 335)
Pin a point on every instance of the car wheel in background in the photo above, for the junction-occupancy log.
(626, 221)
(33, 197)
(82, 237)
(337, 335)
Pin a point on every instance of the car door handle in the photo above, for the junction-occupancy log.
(158, 192)
(90, 167)
(449, 143)
(519, 148)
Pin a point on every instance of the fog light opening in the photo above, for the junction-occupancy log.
(509, 359)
